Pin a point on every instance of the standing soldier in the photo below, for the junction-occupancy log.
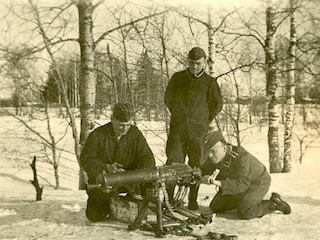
(194, 99)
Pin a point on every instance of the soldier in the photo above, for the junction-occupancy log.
(243, 180)
(194, 100)
(114, 147)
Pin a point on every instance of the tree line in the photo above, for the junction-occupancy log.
(87, 56)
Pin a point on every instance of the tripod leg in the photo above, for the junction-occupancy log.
(142, 213)
(159, 230)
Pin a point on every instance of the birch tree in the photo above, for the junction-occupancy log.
(273, 135)
(211, 46)
(54, 25)
(290, 92)
(87, 75)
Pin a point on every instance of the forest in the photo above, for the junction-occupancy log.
(75, 58)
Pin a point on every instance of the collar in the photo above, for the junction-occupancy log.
(196, 75)
(230, 154)
(114, 136)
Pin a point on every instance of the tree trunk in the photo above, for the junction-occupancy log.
(35, 181)
(56, 175)
(87, 75)
(165, 80)
(113, 79)
(53, 148)
(290, 93)
(273, 135)
(60, 83)
(211, 47)
(128, 86)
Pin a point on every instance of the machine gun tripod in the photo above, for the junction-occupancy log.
(169, 216)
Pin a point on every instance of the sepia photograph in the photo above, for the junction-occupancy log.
(148, 119)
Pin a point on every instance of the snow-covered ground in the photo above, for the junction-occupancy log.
(61, 213)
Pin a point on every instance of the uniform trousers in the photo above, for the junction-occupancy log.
(249, 204)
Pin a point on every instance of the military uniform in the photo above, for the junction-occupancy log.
(193, 101)
(103, 148)
(244, 183)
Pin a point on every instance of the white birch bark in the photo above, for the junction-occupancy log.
(273, 135)
(87, 75)
(290, 92)
(211, 47)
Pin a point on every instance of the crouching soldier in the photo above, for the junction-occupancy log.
(115, 147)
(243, 180)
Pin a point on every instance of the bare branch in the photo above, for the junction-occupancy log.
(98, 4)
(246, 35)
(125, 25)
(235, 69)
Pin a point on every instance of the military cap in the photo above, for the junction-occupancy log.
(196, 53)
(122, 112)
(211, 138)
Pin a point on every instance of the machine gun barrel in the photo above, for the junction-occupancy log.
(167, 173)
(156, 180)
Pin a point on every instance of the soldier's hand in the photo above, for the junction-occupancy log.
(205, 179)
(115, 167)
(211, 179)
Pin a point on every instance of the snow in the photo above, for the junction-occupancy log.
(61, 213)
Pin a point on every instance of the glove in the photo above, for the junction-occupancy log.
(114, 168)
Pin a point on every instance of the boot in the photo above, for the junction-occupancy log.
(193, 205)
(193, 195)
(170, 191)
(278, 204)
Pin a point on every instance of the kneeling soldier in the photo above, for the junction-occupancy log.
(243, 180)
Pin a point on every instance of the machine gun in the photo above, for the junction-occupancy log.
(170, 216)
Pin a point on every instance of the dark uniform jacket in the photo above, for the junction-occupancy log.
(238, 171)
(102, 147)
(193, 101)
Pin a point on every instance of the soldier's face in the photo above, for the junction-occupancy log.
(120, 128)
(217, 152)
(196, 66)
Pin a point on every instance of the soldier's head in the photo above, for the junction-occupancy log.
(121, 119)
(196, 60)
(215, 145)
